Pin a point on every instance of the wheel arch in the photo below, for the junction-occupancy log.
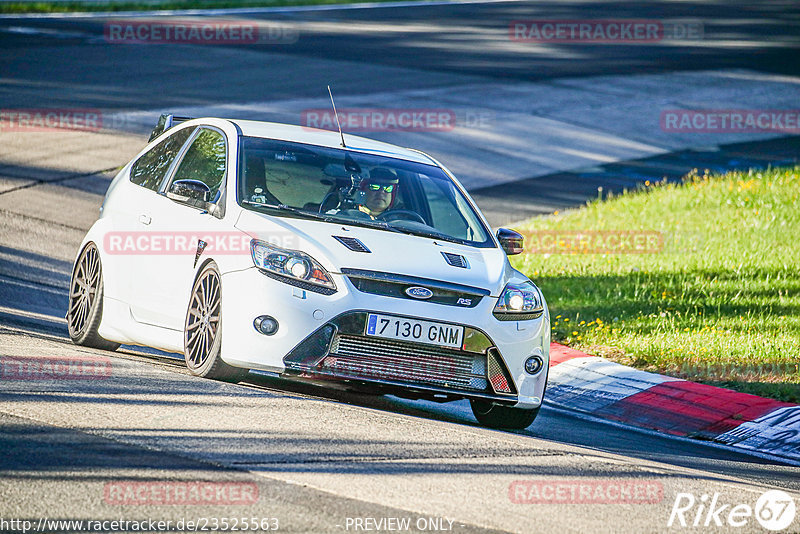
(112, 278)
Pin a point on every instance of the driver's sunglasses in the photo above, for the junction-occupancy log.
(377, 187)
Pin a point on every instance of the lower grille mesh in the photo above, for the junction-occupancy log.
(359, 356)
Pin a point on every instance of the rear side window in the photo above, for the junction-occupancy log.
(149, 170)
(205, 160)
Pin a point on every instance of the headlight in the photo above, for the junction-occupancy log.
(519, 302)
(292, 266)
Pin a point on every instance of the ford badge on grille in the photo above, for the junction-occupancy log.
(418, 292)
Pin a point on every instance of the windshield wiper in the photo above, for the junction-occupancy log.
(290, 209)
(380, 225)
(432, 235)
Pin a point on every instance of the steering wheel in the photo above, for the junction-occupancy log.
(391, 215)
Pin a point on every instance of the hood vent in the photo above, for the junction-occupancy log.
(456, 260)
(352, 243)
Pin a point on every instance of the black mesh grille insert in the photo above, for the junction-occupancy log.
(364, 357)
(352, 243)
(456, 260)
(498, 375)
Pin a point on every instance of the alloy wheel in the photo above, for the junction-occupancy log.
(202, 321)
(84, 291)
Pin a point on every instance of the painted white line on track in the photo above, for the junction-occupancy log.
(61, 34)
(248, 10)
(37, 285)
(32, 315)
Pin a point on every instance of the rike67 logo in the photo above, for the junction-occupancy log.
(774, 510)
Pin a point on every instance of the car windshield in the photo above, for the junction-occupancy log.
(338, 185)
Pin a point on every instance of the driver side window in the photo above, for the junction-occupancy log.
(205, 161)
(443, 213)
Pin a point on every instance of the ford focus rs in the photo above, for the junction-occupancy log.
(252, 245)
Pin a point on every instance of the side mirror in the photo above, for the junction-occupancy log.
(511, 241)
(189, 190)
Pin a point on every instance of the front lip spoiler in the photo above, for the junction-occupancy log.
(403, 388)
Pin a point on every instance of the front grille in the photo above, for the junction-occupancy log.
(362, 357)
(395, 285)
(340, 349)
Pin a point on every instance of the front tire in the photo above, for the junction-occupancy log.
(495, 416)
(202, 334)
(85, 307)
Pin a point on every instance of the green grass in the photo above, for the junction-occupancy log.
(719, 304)
(133, 5)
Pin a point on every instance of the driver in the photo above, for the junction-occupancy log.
(379, 190)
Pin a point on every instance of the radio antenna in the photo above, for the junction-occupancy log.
(337, 117)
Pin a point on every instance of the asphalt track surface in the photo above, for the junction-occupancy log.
(321, 455)
(428, 45)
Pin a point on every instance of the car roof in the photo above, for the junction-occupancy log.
(326, 138)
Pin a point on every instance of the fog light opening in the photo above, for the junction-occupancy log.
(266, 325)
(533, 365)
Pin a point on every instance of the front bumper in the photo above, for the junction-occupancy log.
(341, 350)
(322, 336)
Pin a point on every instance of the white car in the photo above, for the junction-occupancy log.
(253, 245)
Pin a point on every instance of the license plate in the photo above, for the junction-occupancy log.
(404, 329)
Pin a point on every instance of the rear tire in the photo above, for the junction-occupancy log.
(495, 416)
(202, 334)
(85, 307)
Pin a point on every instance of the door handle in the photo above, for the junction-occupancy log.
(144, 219)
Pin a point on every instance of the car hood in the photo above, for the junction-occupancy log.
(390, 252)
